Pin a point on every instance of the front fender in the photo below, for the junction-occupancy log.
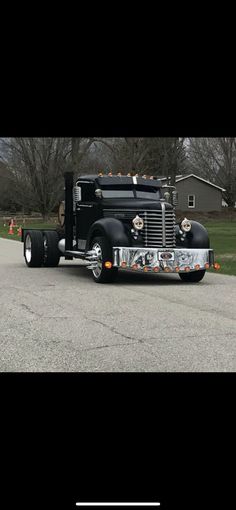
(196, 238)
(111, 228)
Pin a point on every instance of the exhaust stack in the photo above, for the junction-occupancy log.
(69, 216)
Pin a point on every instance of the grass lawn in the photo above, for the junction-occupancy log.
(222, 238)
(38, 224)
(223, 241)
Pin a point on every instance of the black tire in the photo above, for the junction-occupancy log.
(194, 277)
(51, 256)
(103, 275)
(33, 248)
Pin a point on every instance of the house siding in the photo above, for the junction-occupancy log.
(207, 198)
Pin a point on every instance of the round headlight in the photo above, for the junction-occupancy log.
(186, 225)
(138, 223)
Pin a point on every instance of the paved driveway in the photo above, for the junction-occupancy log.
(58, 319)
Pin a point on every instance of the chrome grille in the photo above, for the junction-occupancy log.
(159, 228)
(159, 225)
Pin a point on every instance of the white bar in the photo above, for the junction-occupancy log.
(118, 504)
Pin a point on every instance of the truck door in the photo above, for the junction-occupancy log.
(86, 212)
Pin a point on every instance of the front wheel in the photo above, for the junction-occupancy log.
(195, 276)
(101, 274)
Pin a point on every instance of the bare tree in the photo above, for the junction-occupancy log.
(37, 166)
(157, 156)
(215, 160)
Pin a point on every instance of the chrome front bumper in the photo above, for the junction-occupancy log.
(166, 260)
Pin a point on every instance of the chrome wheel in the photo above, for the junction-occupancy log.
(97, 248)
(28, 249)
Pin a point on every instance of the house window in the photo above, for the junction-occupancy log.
(191, 201)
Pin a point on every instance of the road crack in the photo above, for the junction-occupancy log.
(26, 307)
(113, 330)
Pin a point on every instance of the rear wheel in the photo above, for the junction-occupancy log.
(51, 256)
(33, 248)
(101, 274)
(195, 276)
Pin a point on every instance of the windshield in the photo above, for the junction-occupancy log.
(137, 192)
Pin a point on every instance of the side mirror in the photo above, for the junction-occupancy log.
(175, 198)
(98, 193)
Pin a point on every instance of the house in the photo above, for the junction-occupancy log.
(197, 194)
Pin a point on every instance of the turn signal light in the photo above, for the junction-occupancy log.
(207, 265)
(134, 266)
(156, 269)
(197, 267)
(123, 264)
(216, 266)
(187, 269)
(167, 270)
(108, 264)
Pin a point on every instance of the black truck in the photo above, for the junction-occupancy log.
(121, 222)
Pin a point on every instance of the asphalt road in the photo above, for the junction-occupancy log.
(58, 319)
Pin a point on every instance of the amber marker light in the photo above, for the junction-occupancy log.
(123, 264)
(145, 269)
(135, 266)
(197, 267)
(110, 174)
(167, 270)
(156, 269)
(108, 264)
(187, 269)
(177, 269)
(100, 174)
(216, 266)
(119, 174)
(207, 266)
